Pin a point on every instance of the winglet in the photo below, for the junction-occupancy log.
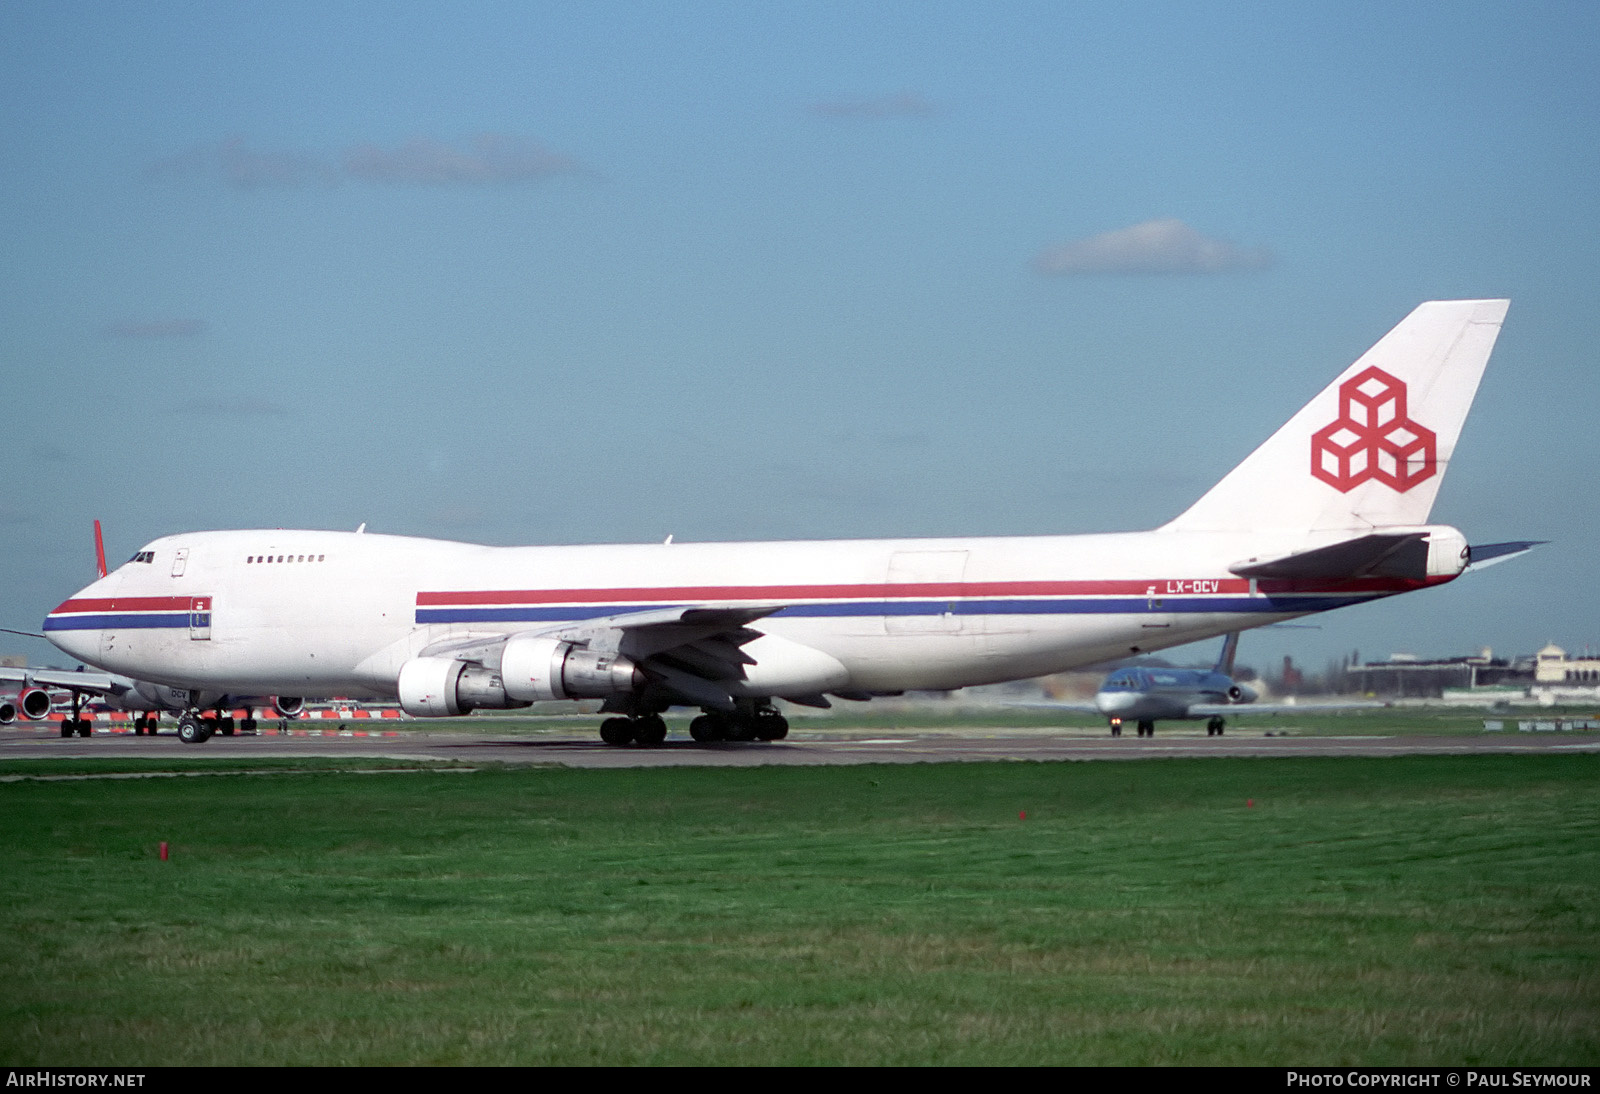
(99, 553)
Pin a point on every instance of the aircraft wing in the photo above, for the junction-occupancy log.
(688, 651)
(89, 683)
(1229, 710)
(1066, 706)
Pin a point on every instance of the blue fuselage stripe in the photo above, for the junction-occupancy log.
(121, 622)
(862, 608)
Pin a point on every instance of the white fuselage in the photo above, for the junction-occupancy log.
(339, 613)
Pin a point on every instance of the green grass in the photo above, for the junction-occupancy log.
(881, 717)
(1430, 910)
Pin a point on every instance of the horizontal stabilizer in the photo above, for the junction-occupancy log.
(1484, 555)
(1381, 554)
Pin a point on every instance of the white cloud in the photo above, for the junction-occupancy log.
(1166, 246)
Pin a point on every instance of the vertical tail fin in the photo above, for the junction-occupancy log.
(99, 553)
(1371, 449)
(1230, 647)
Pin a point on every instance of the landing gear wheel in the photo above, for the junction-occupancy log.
(651, 730)
(616, 731)
(247, 726)
(706, 728)
(1214, 727)
(85, 727)
(138, 725)
(1116, 727)
(739, 728)
(1147, 729)
(67, 728)
(771, 726)
(193, 730)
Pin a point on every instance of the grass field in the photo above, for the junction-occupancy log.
(1431, 910)
(883, 716)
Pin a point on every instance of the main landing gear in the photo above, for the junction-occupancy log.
(760, 723)
(1215, 726)
(1147, 729)
(646, 729)
(75, 724)
(195, 728)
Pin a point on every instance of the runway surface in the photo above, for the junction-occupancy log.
(570, 747)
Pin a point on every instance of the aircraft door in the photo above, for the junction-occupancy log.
(923, 590)
(179, 560)
(200, 618)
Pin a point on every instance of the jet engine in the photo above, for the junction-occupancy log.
(288, 706)
(531, 670)
(536, 669)
(30, 704)
(442, 687)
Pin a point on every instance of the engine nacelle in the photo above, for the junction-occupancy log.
(288, 706)
(536, 670)
(442, 687)
(8, 709)
(33, 703)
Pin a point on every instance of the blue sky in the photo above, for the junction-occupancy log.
(603, 272)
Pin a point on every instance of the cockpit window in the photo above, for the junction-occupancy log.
(144, 556)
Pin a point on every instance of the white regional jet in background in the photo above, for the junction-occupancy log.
(1331, 511)
(1146, 694)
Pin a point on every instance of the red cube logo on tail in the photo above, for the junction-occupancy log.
(1373, 438)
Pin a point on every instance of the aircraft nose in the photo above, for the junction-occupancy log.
(1114, 702)
(73, 626)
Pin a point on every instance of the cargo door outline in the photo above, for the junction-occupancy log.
(914, 614)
